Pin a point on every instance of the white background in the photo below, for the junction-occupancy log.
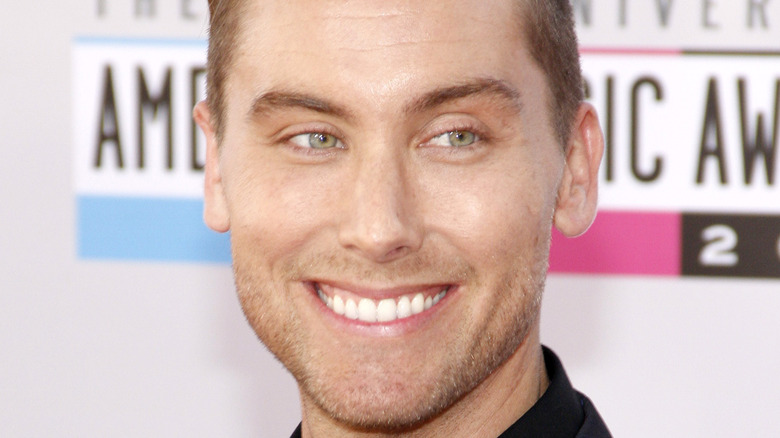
(92, 349)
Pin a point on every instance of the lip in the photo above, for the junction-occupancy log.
(397, 327)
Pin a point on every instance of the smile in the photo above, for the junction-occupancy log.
(385, 310)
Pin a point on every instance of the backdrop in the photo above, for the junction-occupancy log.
(117, 310)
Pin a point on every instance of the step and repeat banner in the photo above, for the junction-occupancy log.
(688, 93)
(689, 178)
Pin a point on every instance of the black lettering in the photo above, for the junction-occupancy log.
(664, 7)
(583, 11)
(658, 166)
(147, 103)
(145, 8)
(186, 10)
(707, 6)
(101, 8)
(623, 13)
(109, 122)
(610, 129)
(196, 78)
(586, 88)
(761, 144)
(757, 8)
(712, 135)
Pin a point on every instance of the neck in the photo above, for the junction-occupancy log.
(487, 411)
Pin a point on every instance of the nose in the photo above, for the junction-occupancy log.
(380, 217)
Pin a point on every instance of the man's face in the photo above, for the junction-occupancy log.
(393, 162)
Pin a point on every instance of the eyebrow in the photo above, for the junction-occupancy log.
(279, 100)
(478, 87)
(276, 100)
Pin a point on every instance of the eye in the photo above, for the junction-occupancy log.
(456, 139)
(316, 140)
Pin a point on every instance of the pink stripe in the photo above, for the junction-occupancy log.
(622, 243)
(629, 51)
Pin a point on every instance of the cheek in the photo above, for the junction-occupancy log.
(495, 215)
(277, 211)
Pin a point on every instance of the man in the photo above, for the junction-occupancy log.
(390, 171)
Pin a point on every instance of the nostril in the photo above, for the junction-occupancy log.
(380, 241)
(397, 252)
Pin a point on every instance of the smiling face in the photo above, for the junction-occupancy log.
(389, 175)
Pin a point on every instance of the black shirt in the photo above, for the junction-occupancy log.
(561, 412)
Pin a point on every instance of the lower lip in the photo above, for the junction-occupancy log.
(397, 327)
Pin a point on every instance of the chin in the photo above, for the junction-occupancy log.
(384, 407)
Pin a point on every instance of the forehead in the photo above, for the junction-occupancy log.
(387, 47)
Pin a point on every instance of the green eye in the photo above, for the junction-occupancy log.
(461, 138)
(455, 139)
(316, 140)
(322, 141)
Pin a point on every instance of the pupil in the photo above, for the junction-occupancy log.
(320, 140)
(460, 138)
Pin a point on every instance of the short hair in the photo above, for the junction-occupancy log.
(549, 30)
(552, 41)
(224, 23)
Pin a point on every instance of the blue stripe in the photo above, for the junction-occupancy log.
(140, 41)
(151, 229)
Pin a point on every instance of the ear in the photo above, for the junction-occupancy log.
(578, 192)
(215, 211)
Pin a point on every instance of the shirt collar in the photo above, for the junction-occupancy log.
(558, 413)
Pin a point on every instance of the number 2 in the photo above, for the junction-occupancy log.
(720, 241)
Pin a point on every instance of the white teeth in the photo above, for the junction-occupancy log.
(351, 310)
(325, 299)
(338, 305)
(404, 308)
(367, 310)
(386, 310)
(418, 304)
(439, 296)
